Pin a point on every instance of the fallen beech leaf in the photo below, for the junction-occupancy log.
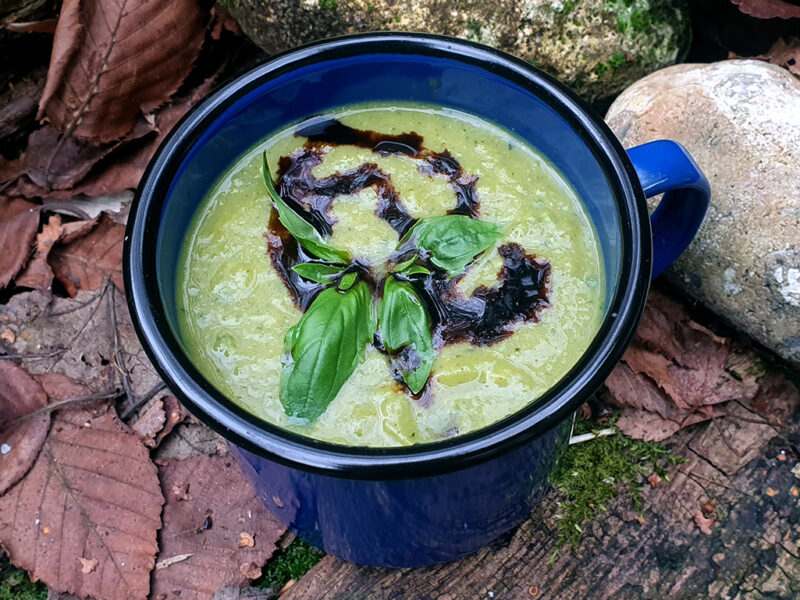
(672, 374)
(654, 479)
(20, 395)
(92, 492)
(150, 421)
(38, 274)
(89, 339)
(113, 61)
(191, 439)
(768, 9)
(105, 170)
(246, 540)
(52, 163)
(88, 565)
(216, 556)
(85, 263)
(19, 221)
(703, 524)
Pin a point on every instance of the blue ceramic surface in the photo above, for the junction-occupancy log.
(422, 504)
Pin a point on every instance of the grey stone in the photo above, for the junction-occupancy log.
(598, 47)
(741, 122)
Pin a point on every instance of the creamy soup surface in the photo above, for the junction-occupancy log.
(235, 308)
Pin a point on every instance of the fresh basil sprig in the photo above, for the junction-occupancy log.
(406, 332)
(453, 241)
(317, 272)
(324, 348)
(303, 231)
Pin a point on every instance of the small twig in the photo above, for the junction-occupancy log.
(61, 404)
(141, 400)
(585, 437)
(33, 356)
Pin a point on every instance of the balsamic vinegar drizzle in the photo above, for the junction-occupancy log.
(487, 316)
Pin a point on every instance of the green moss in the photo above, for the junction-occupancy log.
(617, 60)
(328, 4)
(16, 585)
(591, 474)
(568, 6)
(600, 68)
(291, 563)
(474, 30)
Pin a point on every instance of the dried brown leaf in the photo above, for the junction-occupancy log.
(93, 492)
(60, 170)
(784, 54)
(112, 62)
(150, 421)
(20, 395)
(38, 274)
(672, 374)
(190, 440)
(89, 339)
(85, 263)
(218, 486)
(768, 9)
(19, 221)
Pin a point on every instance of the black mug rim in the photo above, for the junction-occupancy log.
(266, 440)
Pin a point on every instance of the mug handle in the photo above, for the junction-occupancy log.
(665, 167)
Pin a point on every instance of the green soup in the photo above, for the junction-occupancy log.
(236, 303)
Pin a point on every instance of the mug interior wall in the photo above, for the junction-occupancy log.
(320, 87)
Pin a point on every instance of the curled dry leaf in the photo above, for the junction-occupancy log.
(150, 421)
(768, 9)
(85, 263)
(246, 540)
(38, 274)
(703, 523)
(19, 221)
(784, 54)
(216, 484)
(20, 395)
(112, 62)
(250, 570)
(92, 492)
(672, 374)
(88, 565)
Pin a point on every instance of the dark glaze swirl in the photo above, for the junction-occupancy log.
(487, 316)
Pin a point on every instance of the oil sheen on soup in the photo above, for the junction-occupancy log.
(504, 330)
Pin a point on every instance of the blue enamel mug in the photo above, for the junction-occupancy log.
(430, 503)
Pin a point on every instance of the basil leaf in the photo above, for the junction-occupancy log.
(317, 272)
(406, 332)
(324, 349)
(347, 281)
(453, 241)
(400, 267)
(416, 270)
(303, 231)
